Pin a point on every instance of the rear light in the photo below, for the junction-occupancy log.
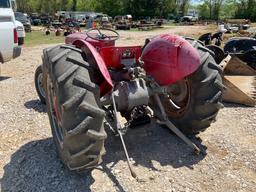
(15, 34)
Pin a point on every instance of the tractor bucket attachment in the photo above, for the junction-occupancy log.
(238, 90)
(239, 80)
(237, 67)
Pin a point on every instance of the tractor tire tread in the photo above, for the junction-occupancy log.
(71, 47)
(60, 55)
(84, 83)
(73, 100)
(215, 97)
(206, 94)
(79, 62)
(82, 118)
(65, 76)
(81, 128)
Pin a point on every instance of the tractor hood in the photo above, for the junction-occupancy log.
(169, 58)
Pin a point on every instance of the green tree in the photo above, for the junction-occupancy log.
(228, 9)
(183, 6)
(246, 9)
(204, 11)
(213, 7)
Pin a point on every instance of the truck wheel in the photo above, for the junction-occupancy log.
(39, 84)
(21, 41)
(198, 95)
(73, 108)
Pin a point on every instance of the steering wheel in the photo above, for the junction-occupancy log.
(101, 36)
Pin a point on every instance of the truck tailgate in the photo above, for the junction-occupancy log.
(6, 40)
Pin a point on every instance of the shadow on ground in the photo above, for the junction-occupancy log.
(234, 105)
(36, 105)
(36, 167)
(2, 78)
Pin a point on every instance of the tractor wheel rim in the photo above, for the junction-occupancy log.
(40, 85)
(54, 112)
(180, 94)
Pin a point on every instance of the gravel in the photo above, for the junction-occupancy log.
(28, 161)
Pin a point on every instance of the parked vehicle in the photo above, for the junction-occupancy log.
(244, 48)
(89, 79)
(34, 19)
(21, 32)
(9, 48)
(238, 63)
(121, 22)
(24, 20)
(189, 18)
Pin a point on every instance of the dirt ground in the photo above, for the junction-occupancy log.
(28, 161)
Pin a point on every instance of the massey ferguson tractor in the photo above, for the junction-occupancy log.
(89, 84)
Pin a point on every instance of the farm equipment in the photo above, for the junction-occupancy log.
(240, 74)
(244, 48)
(149, 25)
(238, 60)
(122, 22)
(89, 82)
(240, 82)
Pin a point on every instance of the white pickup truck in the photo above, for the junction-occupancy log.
(9, 48)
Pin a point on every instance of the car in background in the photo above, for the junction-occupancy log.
(189, 18)
(122, 22)
(34, 19)
(21, 17)
(21, 32)
(9, 48)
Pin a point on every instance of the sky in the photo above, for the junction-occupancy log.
(195, 2)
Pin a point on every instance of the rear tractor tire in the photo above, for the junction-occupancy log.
(199, 95)
(73, 108)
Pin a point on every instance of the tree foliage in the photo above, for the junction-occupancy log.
(137, 8)
(219, 9)
(246, 9)
(208, 9)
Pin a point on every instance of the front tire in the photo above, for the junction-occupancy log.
(39, 84)
(73, 108)
(200, 106)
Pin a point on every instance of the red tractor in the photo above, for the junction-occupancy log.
(88, 80)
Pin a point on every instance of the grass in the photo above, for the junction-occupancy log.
(38, 38)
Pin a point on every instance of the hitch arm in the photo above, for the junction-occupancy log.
(119, 128)
(172, 127)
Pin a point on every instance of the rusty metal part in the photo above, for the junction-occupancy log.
(239, 89)
(240, 82)
(165, 121)
(177, 99)
(237, 67)
(119, 128)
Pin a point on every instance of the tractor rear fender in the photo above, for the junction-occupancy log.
(169, 58)
(94, 58)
